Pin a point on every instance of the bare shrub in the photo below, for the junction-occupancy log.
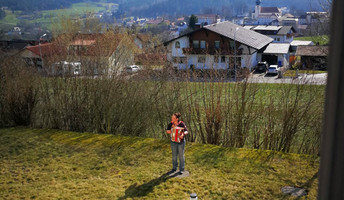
(18, 92)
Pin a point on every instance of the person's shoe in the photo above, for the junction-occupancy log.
(171, 172)
(181, 172)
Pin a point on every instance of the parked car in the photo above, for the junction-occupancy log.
(262, 66)
(133, 68)
(76, 67)
(273, 69)
(66, 68)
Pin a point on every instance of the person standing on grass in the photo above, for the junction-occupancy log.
(177, 129)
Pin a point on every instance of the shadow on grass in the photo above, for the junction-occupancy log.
(144, 189)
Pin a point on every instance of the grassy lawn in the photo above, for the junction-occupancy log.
(51, 16)
(52, 164)
(292, 73)
(322, 39)
(11, 18)
(77, 10)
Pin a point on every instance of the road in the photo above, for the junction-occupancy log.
(312, 79)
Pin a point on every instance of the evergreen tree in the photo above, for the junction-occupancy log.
(192, 21)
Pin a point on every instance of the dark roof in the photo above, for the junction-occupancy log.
(285, 29)
(316, 51)
(16, 44)
(269, 10)
(242, 35)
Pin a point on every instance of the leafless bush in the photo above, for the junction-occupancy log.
(282, 117)
(18, 93)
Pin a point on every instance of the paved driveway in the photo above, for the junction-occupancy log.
(313, 79)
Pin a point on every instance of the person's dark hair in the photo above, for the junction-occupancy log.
(177, 115)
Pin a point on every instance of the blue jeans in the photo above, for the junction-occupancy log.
(178, 152)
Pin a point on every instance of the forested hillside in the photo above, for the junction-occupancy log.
(150, 8)
(37, 5)
(224, 7)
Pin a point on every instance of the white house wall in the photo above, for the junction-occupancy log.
(259, 57)
(253, 60)
(249, 57)
(289, 40)
(210, 63)
(281, 38)
(193, 60)
(249, 61)
(284, 59)
(184, 43)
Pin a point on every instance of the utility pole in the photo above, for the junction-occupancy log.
(39, 46)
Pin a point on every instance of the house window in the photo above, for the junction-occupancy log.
(177, 45)
(195, 43)
(201, 59)
(217, 44)
(231, 44)
(202, 44)
(223, 59)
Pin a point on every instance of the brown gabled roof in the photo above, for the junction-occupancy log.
(269, 10)
(102, 45)
(90, 45)
(46, 50)
(155, 21)
(81, 42)
(315, 51)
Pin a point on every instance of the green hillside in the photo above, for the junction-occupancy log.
(320, 40)
(52, 164)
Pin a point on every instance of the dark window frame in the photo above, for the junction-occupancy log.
(195, 43)
(177, 45)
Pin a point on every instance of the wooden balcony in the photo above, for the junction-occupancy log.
(210, 51)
